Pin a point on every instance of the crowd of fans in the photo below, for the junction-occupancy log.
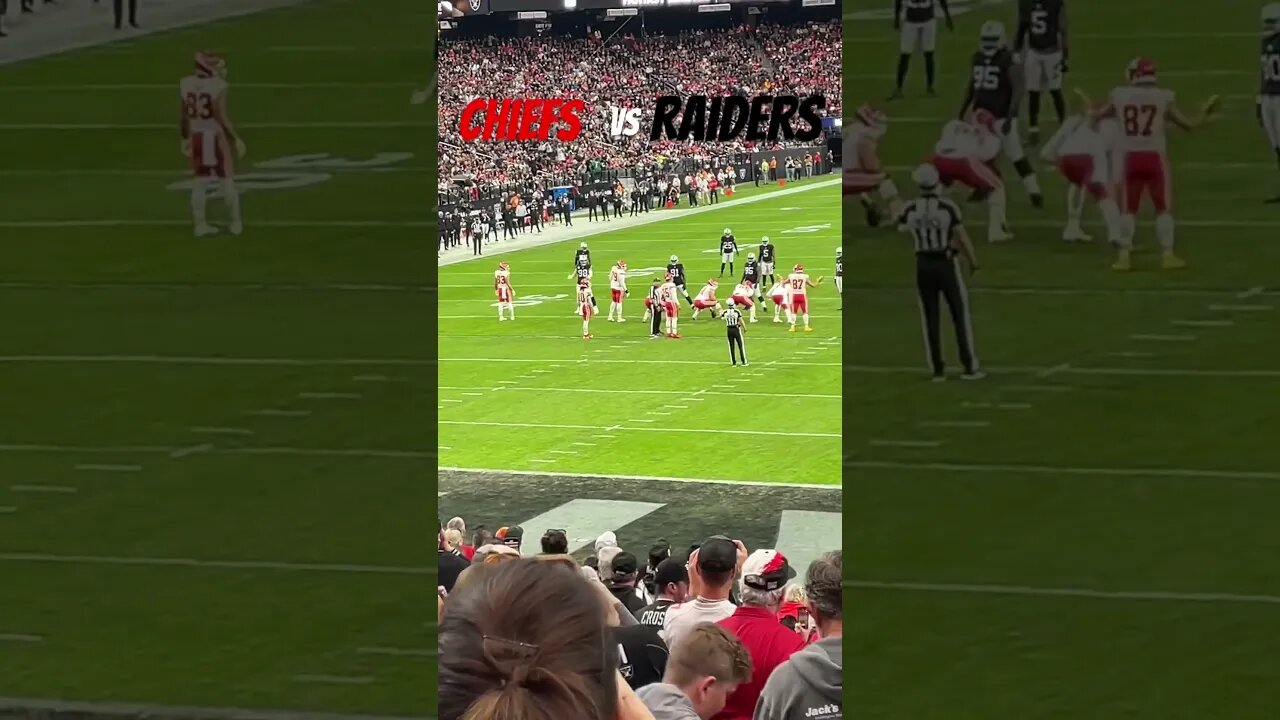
(626, 72)
(714, 633)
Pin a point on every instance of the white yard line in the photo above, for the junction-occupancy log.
(90, 467)
(1046, 592)
(1241, 308)
(270, 412)
(1203, 323)
(625, 361)
(956, 423)
(397, 651)
(1143, 337)
(191, 450)
(329, 396)
(203, 430)
(703, 481)
(64, 489)
(20, 638)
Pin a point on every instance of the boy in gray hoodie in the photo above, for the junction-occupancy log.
(706, 665)
(809, 684)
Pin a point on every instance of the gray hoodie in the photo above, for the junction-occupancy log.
(807, 686)
(666, 702)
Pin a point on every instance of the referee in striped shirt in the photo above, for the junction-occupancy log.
(939, 235)
(734, 327)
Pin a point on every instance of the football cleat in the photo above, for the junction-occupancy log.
(1169, 261)
(237, 227)
(1122, 263)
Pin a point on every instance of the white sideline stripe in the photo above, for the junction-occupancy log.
(210, 360)
(1045, 388)
(956, 423)
(379, 124)
(333, 679)
(20, 638)
(270, 412)
(396, 651)
(477, 394)
(321, 224)
(545, 462)
(1028, 591)
(1013, 406)
(1251, 292)
(558, 426)
(647, 362)
(1054, 470)
(216, 564)
(447, 400)
(279, 450)
(96, 709)
(44, 489)
(202, 430)
(1132, 354)
(593, 476)
(907, 443)
(1241, 308)
(370, 378)
(563, 452)
(1162, 338)
(1203, 323)
(329, 396)
(658, 217)
(583, 444)
(109, 468)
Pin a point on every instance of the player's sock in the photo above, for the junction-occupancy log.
(904, 63)
(199, 201)
(806, 319)
(1164, 231)
(996, 212)
(929, 68)
(1075, 206)
(1128, 226)
(730, 269)
(231, 196)
(1110, 216)
(1033, 109)
(1059, 105)
(721, 269)
(585, 324)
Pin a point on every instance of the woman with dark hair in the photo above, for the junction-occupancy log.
(529, 640)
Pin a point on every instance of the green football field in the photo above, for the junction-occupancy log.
(533, 395)
(214, 455)
(1091, 531)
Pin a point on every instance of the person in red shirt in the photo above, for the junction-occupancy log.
(755, 623)
(457, 523)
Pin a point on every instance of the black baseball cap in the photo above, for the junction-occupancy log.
(670, 571)
(510, 536)
(718, 554)
(624, 566)
(658, 552)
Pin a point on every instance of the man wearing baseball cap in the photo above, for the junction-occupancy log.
(810, 684)
(510, 536)
(755, 623)
(620, 575)
(671, 582)
(712, 568)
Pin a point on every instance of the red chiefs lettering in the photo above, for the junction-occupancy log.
(490, 119)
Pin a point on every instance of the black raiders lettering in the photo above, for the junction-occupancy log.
(992, 82)
(918, 11)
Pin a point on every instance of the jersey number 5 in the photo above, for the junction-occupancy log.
(198, 105)
(1138, 120)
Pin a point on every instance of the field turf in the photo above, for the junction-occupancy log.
(532, 395)
(1091, 531)
(214, 455)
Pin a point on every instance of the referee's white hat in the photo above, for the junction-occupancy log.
(728, 303)
(926, 177)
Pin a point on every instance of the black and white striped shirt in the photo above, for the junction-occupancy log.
(931, 220)
(732, 318)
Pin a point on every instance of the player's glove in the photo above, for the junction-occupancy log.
(626, 293)
(1006, 125)
(1063, 67)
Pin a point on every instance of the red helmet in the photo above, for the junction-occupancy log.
(583, 282)
(622, 264)
(668, 277)
(985, 119)
(210, 65)
(1141, 70)
(799, 267)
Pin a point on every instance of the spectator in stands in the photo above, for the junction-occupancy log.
(794, 613)
(555, 542)
(503, 657)
(480, 538)
(809, 685)
(4, 10)
(449, 561)
(510, 536)
(755, 622)
(621, 574)
(671, 581)
(712, 568)
(457, 523)
(705, 667)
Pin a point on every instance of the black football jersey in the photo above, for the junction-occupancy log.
(677, 273)
(582, 258)
(839, 266)
(1042, 20)
(766, 253)
(992, 82)
(728, 244)
(1271, 65)
(582, 271)
(917, 11)
(751, 271)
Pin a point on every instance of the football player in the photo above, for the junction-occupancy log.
(675, 269)
(767, 254)
(671, 306)
(581, 266)
(778, 294)
(751, 271)
(586, 306)
(1042, 31)
(502, 288)
(706, 300)
(966, 154)
(1083, 155)
(728, 251)
(743, 296)
(798, 282)
(617, 290)
(1269, 89)
(208, 138)
(862, 172)
(840, 276)
(1143, 109)
(917, 22)
(995, 87)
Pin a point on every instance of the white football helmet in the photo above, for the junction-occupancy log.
(582, 245)
(1271, 17)
(764, 240)
(839, 251)
(727, 231)
(675, 259)
(751, 256)
(991, 37)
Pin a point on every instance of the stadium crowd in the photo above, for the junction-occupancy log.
(717, 633)
(626, 72)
